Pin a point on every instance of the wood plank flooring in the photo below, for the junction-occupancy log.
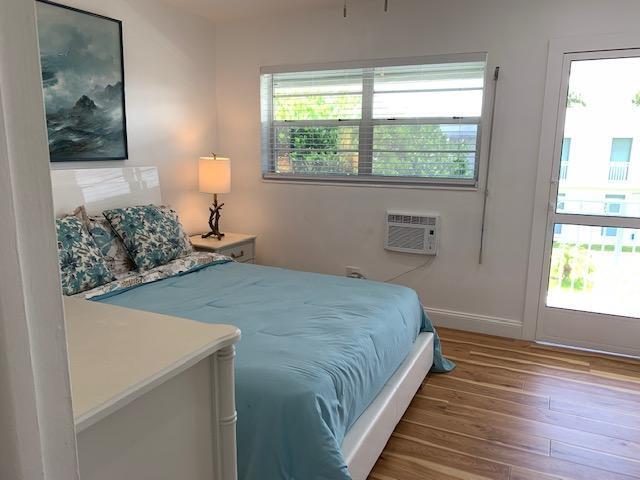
(515, 410)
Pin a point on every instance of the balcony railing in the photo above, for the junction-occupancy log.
(618, 171)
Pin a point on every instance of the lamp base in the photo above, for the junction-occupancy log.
(218, 235)
(214, 219)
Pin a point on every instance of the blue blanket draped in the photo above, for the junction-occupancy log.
(315, 351)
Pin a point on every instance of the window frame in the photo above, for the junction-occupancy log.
(617, 201)
(363, 177)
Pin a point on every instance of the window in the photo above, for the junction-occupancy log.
(557, 229)
(620, 158)
(564, 158)
(566, 150)
(613, 204)
(621, 149)
(379, 122)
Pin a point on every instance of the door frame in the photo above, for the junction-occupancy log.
(553, 99)
(575, 320)
(37, 434)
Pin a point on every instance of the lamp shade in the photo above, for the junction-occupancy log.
(214, 175)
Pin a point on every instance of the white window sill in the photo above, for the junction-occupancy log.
(372, 182)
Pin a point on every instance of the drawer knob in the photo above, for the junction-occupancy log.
(234, 256)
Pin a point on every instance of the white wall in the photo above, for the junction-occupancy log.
(169, 90)
(324, 228)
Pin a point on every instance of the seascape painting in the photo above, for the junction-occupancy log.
(83, 83)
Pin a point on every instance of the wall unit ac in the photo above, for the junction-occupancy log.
(412, 233)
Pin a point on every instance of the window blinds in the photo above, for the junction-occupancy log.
(413, 123)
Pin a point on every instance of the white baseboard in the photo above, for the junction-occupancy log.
(502, 327)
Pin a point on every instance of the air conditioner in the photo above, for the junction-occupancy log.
(412, 233)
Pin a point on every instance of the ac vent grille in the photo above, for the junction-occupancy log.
(406, 238)
(411, 219)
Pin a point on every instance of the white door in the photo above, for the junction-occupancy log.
(590, 295)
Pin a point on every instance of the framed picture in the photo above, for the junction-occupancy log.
(83, 82)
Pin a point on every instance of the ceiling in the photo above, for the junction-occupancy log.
(225, 10)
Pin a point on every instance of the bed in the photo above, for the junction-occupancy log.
(326, 365)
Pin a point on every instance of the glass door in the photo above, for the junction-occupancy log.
(590, 295)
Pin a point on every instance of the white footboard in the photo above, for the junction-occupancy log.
(366, 439)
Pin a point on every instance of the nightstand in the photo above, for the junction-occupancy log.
(240, 247)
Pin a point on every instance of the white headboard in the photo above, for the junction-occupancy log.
(100, 189)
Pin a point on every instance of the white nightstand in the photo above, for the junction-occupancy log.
(240, 247)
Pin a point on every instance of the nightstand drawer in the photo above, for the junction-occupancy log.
(239, 246)
(240, 253)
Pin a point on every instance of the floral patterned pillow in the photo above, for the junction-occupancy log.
(82, 266)
(188, 248)
(152, 235)
(110, 246)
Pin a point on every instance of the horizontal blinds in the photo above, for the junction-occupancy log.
(327, 95)
(307, 150)
(448, 90)
(418, 121)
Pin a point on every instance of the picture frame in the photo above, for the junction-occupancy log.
(82, 60)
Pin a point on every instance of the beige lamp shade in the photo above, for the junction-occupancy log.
(214, 175)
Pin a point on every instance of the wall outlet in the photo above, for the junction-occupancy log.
(353, 272)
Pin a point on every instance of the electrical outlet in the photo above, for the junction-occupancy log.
(353, 272)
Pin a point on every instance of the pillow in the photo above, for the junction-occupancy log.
(188, 248)
(110, 245)
(82, 266)
(152, 235)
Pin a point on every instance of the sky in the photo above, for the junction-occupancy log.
(80, 54)
(620, 75)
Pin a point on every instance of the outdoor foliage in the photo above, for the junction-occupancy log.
(334, 149)
(575, 99)
(571, 267)
(636, 100)
(412, 160)
(318, 149)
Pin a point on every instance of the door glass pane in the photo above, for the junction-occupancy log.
(595, 269)
(564, 158)
(600, 155)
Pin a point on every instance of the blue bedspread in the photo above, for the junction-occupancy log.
(315, 351)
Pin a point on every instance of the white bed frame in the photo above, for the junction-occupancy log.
(104, 188)
(366, 439)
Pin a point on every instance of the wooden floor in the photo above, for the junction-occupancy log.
(520, 411)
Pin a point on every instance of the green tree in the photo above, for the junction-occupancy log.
(417, 150)
(399, 150)
(317, 149)
(636, 100)
(320, 150)
(575, 99)
(572, 267)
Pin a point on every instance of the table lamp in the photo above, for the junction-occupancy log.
(214, 176)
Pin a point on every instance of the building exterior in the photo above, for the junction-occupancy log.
(600, 174)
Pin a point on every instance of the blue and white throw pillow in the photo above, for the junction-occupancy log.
(152, 235)
(82, 266)
(110, 245)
